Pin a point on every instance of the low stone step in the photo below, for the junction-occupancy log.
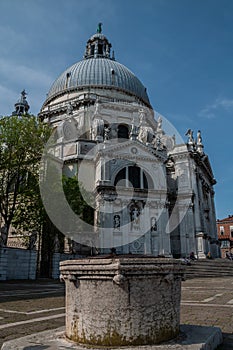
(210, 268)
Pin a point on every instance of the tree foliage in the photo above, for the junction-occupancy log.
(73, 191)
(22, 139)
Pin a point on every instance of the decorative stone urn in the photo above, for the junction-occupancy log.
(122, 300)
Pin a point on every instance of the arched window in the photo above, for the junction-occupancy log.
(123, 132)
(100, 49)
(92, 50)
(133, 176)
(120, 179)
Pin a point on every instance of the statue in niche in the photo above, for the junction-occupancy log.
(135, 218)
(153, 222)
(134, 130)
(97, 109)
(116, 222)
(107, 130)
(98, 129)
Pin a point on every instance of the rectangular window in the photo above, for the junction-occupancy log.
(225, 244)
(221, 230)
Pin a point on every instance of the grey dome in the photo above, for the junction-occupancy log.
(98, 72)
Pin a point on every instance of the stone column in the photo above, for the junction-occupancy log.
(214, 247)
(191, 243)
(166, 240)
(200, 246)
(148, 248)
(197, 210)
(184, 234)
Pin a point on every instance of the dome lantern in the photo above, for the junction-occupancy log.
(98, 45)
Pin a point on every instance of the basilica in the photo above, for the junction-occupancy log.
(150, 193)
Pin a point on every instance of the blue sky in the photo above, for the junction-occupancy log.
(182, 51)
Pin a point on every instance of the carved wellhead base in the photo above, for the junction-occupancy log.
(122, 300)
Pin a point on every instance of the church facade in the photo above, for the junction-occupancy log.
(151, 194)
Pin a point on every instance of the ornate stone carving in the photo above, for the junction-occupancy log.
(137, 246)
(67, 130)
(119, 278)
(146, 134)
(98, 129)
(134, 150)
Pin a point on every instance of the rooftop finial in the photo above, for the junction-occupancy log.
(23, 96)
(99, 28)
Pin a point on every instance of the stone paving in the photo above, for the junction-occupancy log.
(31, 307)
(209, 301)
(28, 307)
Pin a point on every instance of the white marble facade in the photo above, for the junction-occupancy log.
(152, 196)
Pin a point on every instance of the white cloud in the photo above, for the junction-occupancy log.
(11, 40)
(12, 72)
(7, 97)
(213, 110)
(16, 77)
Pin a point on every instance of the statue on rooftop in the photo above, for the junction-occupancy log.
(199, 138)
(189, 133)
(159, 125)
(99, 28)
(199, 143)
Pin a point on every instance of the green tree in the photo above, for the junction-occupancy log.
(73, 191)
(22, 139)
